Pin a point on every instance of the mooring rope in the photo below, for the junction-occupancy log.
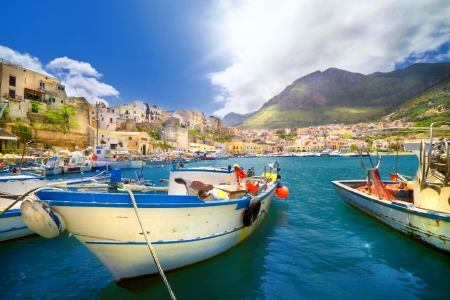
(85, 186)
(121, 187)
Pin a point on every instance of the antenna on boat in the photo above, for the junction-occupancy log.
(396, 160)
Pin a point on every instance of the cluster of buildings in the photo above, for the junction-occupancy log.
(129, 125)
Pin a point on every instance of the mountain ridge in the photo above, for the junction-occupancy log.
(336, 95)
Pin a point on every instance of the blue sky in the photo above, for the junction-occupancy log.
(215, 56)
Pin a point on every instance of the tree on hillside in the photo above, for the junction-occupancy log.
(61, 117)
(22, 131)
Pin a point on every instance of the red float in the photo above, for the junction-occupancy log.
(282, 192)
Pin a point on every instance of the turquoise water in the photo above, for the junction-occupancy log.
(312, 245)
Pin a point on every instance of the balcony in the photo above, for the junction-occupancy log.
(15, 97)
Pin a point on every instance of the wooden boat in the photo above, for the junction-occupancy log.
(419, 209)
(202, 213)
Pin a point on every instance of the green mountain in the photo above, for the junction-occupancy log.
(338, 96)
(429, 106)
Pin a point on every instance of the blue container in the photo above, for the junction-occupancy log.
(116, 175)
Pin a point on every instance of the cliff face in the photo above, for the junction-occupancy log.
(68, 140)
(44, 137)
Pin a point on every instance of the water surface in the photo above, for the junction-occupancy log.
(312, 245)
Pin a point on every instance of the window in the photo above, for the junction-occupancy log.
(12, 94)
(12, 81)
(130, 138)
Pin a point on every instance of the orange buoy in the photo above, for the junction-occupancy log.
(282, 191)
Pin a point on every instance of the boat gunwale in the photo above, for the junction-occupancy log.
(412, 209)
(143, 199)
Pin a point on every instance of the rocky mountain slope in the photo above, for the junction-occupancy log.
(344, 97)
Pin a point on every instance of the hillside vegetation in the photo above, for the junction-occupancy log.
(338, 96)
(427, 107)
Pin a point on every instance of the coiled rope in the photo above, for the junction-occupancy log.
(120, 187)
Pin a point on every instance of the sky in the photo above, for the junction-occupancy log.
(215, 56)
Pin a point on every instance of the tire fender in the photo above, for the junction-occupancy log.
(252, 211)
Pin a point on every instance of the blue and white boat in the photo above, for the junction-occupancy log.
(13, 186)
(113, 157)
(54, 166)
(419, 209)
(335, 153)
(202, 213)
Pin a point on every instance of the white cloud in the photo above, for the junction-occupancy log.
(272, 43)
(73, 67)
(25, 60)
(79, 78)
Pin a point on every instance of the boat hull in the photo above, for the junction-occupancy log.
(12, 226)
(184, 231)
(427, 227)
(123, 165)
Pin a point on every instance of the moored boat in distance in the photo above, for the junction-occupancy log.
(419, 209)
(12, 187)
(335, 153)
(202, 212)
(78, 164)
(114, 157)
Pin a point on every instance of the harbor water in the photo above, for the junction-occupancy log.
(312, 245)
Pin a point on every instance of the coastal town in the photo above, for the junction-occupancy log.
(225, 150)
(145, 129)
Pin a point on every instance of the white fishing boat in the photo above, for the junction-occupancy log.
(324, 153)
(335, 153)
(12, 187)
(202, 213)
(115, 158)
(54, 166)
(419, 209)
(78, 164)
(298, 154)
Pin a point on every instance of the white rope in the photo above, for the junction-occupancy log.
(152, 251)
(120, 187)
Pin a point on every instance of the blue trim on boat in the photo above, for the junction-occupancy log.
(163, 242)
(11, 213)
(203, 170)
(58, 197)
(14, 229)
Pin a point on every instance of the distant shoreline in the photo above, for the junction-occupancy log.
(383, 153)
